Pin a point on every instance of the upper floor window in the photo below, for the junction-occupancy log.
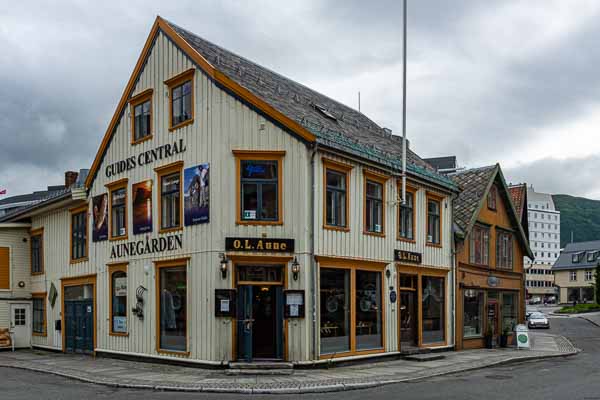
(480, 245)
(37, 252)
(118, 209)
(491, 198)
(259, 187)
(407, 217)
(170, 196)
(79, 234)
(5, 268)
(39, 314)
(336, 194)
(504, 249)
(374, 203)
(181, 93)
(434, 213)
(573, 276)
(588, 275)
(141, 116)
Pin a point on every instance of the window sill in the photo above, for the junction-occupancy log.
(115, 238)
(241, 222)
(169, 230)
(37, 273)
(142, 140)
(376, 234)
(181, 124)
(336, 228)
(401, 239)
(117, 334)
(79, 260)
(438, 245)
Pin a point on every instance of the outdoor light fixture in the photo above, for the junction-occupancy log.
(295, 268)
(223, 267)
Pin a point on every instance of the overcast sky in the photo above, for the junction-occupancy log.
(514, 82)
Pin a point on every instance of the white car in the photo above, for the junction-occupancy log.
(538, 320)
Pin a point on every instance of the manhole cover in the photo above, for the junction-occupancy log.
(499, 377)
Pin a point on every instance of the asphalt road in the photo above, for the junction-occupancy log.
(570, 378)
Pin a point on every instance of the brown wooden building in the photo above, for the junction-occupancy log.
(490, 246)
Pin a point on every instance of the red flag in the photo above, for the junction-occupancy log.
(3, 191)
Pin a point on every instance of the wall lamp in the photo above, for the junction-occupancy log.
(295, 268)
(223, 265)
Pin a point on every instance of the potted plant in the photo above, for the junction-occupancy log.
(504, 337)
(489, 338)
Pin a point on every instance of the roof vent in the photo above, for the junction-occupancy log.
(325, 112)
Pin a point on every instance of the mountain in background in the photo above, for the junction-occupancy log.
(580, 215)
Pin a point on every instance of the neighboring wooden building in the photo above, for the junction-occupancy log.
(491, 244)
(231, 213)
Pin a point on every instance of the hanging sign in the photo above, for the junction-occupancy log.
(407, 256)
(259, 244)
(393, 296)
(493, 281)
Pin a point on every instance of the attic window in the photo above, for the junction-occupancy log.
(577, 257)
(592, 256)
(324, 111)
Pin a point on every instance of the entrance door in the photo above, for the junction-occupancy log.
(260, 322)
(20, 324)
(408, 319)
(79, 326)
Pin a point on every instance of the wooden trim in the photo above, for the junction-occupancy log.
(258, 155)
(259, 259)
(160, 25)
(77, 281)
(42, 296)
(162, 171)
(414, 190)
(135, 101)
(114, 186)
(376, 177)
(75, 211)
(349, 262)
(121, 267)
(341, 168)
(439, 199)
(174, 82)
(158, 265)
(33, 233)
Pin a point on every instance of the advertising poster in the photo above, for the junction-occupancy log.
(142, 207)
(196, 194)
(100, 210)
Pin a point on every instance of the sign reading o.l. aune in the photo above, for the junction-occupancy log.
(259, 244)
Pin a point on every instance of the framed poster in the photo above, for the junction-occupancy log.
(225, 302)
(294, 303)
(120, 324)
(100, 211)
(142, 207)
(120, 286)
(196, 194)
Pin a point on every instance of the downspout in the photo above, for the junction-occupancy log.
(312, 227)
(454, 269)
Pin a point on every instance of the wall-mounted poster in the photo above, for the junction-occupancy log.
(196, 195)
(142, 207)
(100, 210)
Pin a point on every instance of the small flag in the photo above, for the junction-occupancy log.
(2, 191)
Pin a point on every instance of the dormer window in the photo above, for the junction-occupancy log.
(491, 198)
(592, 256)
(577, 257)
(325, 112)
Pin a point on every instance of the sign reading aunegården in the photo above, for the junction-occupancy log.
(148, 246)
(259, 244)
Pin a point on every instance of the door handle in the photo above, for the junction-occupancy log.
(248, 324)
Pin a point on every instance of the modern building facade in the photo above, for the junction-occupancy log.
(574, 272)
(490, 247)
(544, 228)
(231, 213)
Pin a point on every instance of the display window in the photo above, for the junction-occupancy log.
(118, 300)
(433, 301)
(172, 307)
(473, 313)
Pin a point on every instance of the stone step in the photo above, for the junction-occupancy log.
(425, 357)
(261, 365)
(237, 371)
(415, 350)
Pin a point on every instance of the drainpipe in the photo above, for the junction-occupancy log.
(454, 269)
(313, 261)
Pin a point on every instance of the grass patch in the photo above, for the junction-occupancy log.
(579, 308)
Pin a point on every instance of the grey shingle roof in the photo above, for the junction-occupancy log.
(474, 183)
(50, 197)
(35, 196)
(350, 130)
(565, 260)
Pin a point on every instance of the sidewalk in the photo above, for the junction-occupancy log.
(140, 375)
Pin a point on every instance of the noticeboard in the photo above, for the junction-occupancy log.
(225, 302)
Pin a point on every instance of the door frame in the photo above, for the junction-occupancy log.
(78, 281)
(245, 260)
(415, 308)
(28, 318)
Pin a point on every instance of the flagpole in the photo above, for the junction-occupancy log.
(404, 105)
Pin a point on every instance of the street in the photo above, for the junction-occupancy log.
(569, 378)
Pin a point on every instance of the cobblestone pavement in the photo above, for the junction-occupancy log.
(129, 374)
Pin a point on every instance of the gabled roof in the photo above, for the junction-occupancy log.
(565, 260)
(52, 198)
(518, 194)
(31, 197)
(307, 114)
(475, 184)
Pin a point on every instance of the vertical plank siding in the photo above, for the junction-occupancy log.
(18, 270)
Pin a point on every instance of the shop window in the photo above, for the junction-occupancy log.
(170, 198)
(587, 294)
(172, 298)
(118, 209)
(335, 310)
(480, 245)
(433, 221)
(509, 311)
(407, 217)
(118, 302)
(181, 94)
(39, 314)
(141, 116)
(79, 234)
(473, 305)
(37, 252)
(491, 198)
(260, 187)
(368, 310)
(433, 304)
(336, 198)
(504, 250)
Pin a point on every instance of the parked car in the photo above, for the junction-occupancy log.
(537, 320)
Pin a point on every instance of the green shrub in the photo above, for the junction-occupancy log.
(579, 308)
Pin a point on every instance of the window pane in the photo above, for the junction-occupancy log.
(173, 309)
(146, 107)
(249, 201)
(335, 310)
(38, 315)
(269, 201)
(374, 189)
(336, 179)
(170, 201)
(118, 212)
(433, 309)
(406, 218)
(119, 302)
(368, 310)
(187, 106)
(473, 313)
(177, 117)
(509, 311)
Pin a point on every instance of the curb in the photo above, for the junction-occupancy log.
(325, 387)
(588, 320)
